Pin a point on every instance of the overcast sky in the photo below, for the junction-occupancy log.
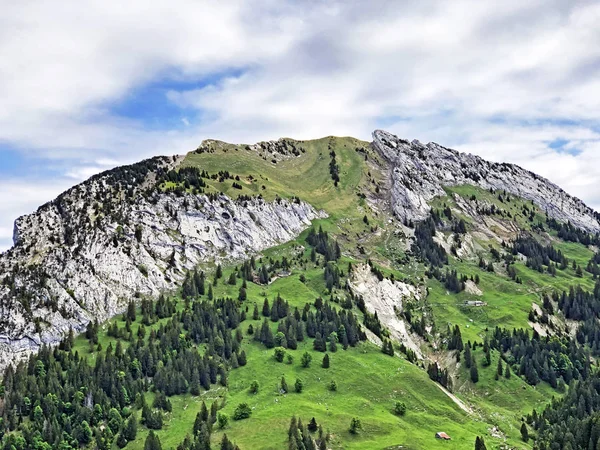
(85, 85)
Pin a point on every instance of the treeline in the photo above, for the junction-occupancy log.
(593, 265)
(439, 375)
(323, 244)
(572, 422)
(196, 284)
(189, 177)
(127, 178)
(537, 358)
(578, 304)
(203, 427)
(569, 232)
(539, 255)
(556, 360)
(305, 437)
(450, 278)
(334, 169)
(583, 306)
(325, 324)
(56, 399)
(424, 247)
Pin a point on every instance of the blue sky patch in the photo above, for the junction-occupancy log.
(149, 104)
(559, 146)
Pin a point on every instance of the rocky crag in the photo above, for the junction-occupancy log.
(121, 235)
(116, 237)
(419, 173)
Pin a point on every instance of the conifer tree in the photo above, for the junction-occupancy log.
(474, 372)
(480, 444)
(306, 360)
(226, 443)
(152, 442)
(468, 358)
(524, 432)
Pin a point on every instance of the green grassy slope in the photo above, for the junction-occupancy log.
(369, 382)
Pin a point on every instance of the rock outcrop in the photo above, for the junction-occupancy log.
(420, 172)
(116, 237)
(123, 234)
(386, 298)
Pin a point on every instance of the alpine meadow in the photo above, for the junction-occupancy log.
(318, 294)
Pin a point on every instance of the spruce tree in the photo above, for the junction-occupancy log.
(306, 360)
(293, 427)
(152, 442)
(130, 430)
(468, 358)
(226, 443)
(255, 315)
(480, 444)
(488, 357)
(325, 363)
(524, 432)
(474, 372)
(355, 425)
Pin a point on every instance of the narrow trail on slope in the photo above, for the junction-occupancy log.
(455, 399)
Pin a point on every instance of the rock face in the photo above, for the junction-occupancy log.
(420, 172)
(116, 236)
(386, 298)
(120, 235)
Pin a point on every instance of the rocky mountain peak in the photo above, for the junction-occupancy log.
(419, 172)
(120, 235)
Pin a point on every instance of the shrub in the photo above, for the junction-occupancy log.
(306, 360)
(400, 408)
(222, 420)
(242, 411)
(355, 425)
(279, 354)
(253, 387)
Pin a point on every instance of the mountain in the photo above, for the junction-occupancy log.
(420, 172)
(118, 236)
(454, 266)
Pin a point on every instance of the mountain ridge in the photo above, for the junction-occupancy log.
(454, 168)
(88, 227)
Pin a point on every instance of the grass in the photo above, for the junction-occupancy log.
(504, 401)
(306, 176)
(368, 385)
(508, 304)
(369, 382)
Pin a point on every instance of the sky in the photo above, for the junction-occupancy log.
(89, 85)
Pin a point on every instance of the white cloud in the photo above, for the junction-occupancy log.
(500, 79)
